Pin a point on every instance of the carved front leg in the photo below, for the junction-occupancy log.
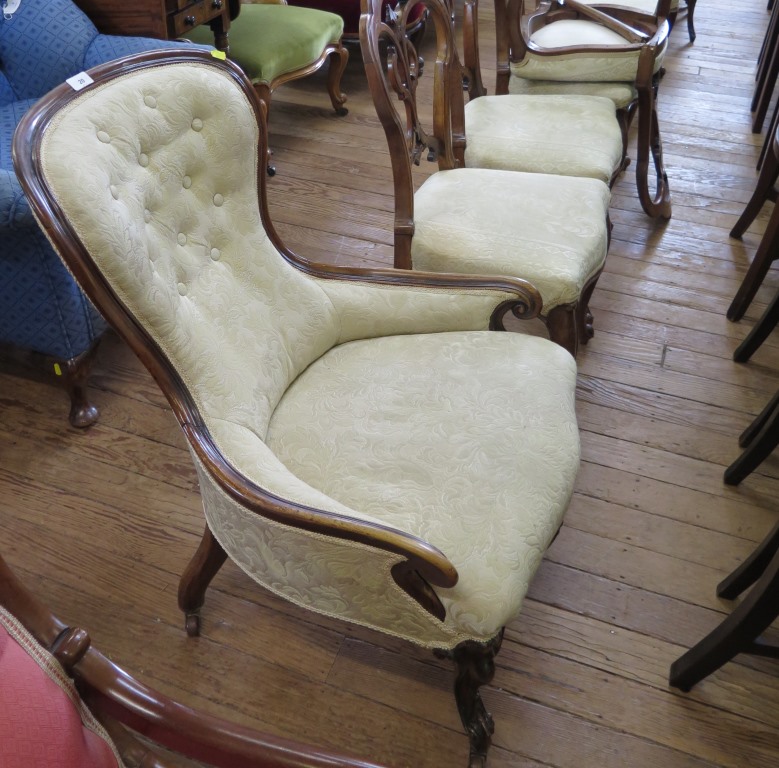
(475, 664)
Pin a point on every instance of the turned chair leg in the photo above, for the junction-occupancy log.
(759, 332)
(202, 568)
(763, 439)
(562, 324)
(475, 666)
(691, 19)
(75, 377)
(738, 633)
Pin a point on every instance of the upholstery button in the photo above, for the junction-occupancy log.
(218, 199)
(216, 254)
(182, 289)
(114, 192)
(104, 137)
(147, 215)
(182, 238)
(143, 159)
(197, 124)
(187, 182)
(150, 101)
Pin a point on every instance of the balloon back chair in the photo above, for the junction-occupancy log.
(64, 704)
(550, 229)
(565, 46)
(368, 445)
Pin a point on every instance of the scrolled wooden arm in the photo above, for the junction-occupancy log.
(122, 702)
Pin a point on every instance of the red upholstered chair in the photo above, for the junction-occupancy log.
(64, 705)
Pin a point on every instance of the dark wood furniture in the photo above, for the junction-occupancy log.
(126, 707)
(166, 19)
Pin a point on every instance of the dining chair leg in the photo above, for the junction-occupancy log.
(763, 442)
(691, 19)
(764, 190)
(656, 204)
(751, 569)
(738, 633)
(759, 333)
(765, 255)
(202, 568)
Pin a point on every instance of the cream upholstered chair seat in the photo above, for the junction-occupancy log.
(564, 135)
(599, 66)
(550, 229)
(367, 444)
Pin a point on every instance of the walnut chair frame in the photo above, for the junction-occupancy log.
(125, 706)
(393, 78)
(412, 571)
(644, 36)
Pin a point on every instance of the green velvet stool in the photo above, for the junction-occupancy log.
(274, 43)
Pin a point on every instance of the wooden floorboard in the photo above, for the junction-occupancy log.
(101, 523)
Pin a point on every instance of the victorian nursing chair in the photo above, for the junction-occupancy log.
(368, 445)
(565, 46)
(63, 704)
(551, 230)
(43, 314)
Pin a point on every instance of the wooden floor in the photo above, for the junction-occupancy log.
(101, 523)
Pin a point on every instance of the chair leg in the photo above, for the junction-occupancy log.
(657, 205)
(202, 568)
(751, 569)
(759, 333)
(738, 633)
(562, 324)
(475, 665)
(339, 57)
(691, 19)
(766, 180)
(765, 255)
(760, 446)
(75, 376)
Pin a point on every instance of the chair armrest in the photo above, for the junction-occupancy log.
(373, 303)
(15, 211)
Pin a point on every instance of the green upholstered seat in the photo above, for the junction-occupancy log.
(270, 41)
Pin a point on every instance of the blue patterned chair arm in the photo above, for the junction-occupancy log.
(106, 47)
(14, 210)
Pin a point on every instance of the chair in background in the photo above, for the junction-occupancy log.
(44, 317)
(768, 250)
(650, 7)
(548, 229)
(368, 445)
(63, 703)
(565, 135)
(568, 47)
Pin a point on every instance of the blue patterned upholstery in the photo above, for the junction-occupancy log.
(41, 308)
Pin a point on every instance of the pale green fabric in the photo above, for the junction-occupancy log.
(562, 135)
(550, 230)
(271, 40)
(581, 66)
(293, 376)
(622, 94)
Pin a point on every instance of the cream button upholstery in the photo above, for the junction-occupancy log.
(186, 182)
(216, 254)
(197, 124)
(143, 159)
(114, 192)
(147, 215)
(104, 137)
(150, 101)
(218, 200)
(181, 238)
(182, 289)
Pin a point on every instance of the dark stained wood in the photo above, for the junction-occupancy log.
(103, 522)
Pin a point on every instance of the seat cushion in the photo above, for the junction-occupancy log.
(269, 41)
(581, 66)
(645, 6)
(404, 429)
(563, 135)
(349, 11)
(43, 721)
(550, 230)
(622, 94)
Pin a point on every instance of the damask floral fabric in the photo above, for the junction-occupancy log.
(549, 230)
(562, 135)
